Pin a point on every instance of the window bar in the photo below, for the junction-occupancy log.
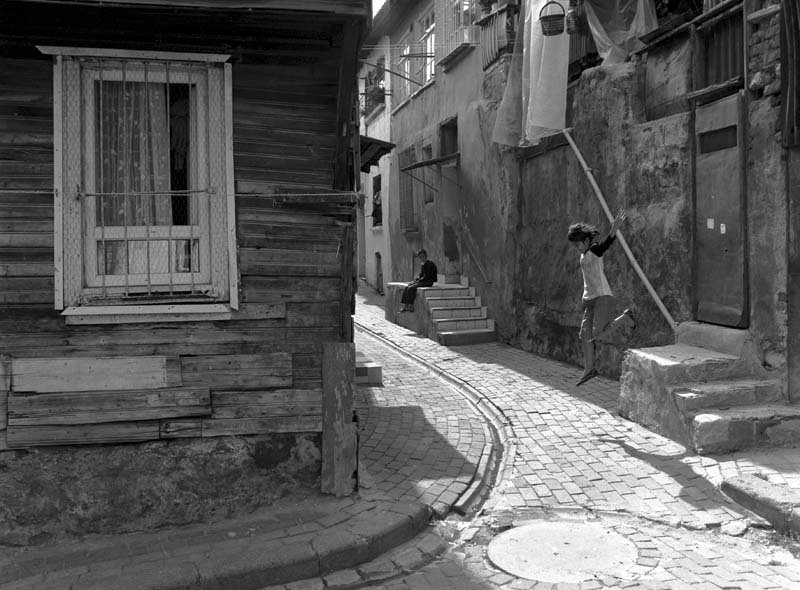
(126, 172)
(190, 180)
(149, 150)
(85, 223)
(208, 169)
(99, 164)
(169, 183)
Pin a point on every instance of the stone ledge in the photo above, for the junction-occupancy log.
(780, 506)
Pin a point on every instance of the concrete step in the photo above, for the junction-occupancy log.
(742, 427)
(441, 313)
(691, 397)
(439, 302)
(464, 337)
(446, 290)
(456, 324)
(368, 372)
(682, 363)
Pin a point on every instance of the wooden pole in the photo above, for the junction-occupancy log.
(339, 442)
(620, 237)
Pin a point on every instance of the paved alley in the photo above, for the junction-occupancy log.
(568, 457)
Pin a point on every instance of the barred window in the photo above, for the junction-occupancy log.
(146, 203)
(455, 25)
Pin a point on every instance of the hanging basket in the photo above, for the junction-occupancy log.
(552, 24)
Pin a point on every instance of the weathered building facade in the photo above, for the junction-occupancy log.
(686, 136)
(178, 222)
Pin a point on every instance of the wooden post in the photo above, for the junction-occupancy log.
(339, 458)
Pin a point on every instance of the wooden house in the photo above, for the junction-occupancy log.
(177, 221)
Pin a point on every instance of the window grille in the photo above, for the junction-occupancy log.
(145, 214)
(456, 27)
(723, 46)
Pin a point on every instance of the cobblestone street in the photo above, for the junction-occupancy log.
(567, 457)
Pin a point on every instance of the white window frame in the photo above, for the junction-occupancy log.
(403, 87)
(427, 47)
(223, 272)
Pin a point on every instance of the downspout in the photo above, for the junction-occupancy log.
(620, 237)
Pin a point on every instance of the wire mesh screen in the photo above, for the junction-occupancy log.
(148, 140)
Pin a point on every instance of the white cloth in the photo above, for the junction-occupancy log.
(535, 100)
(595, 283)
(616, 26)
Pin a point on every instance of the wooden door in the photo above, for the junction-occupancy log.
(720, 265)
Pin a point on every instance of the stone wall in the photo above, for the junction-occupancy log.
(766, 191)
(52, 494)
(642, 167)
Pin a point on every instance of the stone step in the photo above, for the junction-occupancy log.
(446, 291)
(691, 397)
(440, 313)
(464, 337)
(438, 302)
(743, 427)
(456, 324)
(682, 363)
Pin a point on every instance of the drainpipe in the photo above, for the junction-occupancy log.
(620, 237)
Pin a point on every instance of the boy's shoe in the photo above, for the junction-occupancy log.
(590, 375)
(629, 313)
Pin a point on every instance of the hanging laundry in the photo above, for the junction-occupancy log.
(616, 26)
(535, 99)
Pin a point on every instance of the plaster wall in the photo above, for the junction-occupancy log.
(468, 228)
(374, 239)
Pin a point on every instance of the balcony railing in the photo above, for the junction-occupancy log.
(497, 33)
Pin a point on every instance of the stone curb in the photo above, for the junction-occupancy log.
(778, 505)
(494, 464)
(247, 563)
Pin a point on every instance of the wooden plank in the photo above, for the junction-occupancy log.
(92, 407)
(185, 339)
(64, 374)
(242, 426)
(338, 428)
(114, 432)
(252, 259)
(344, 105)
(181, 428)
(287, 289)
(238, 370)
(26, 269)
(3, 409)
(264, 404)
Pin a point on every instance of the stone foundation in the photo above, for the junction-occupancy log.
(50, 494)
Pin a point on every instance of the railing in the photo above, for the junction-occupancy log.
(497, 33)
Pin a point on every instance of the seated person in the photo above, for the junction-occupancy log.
(427, 277)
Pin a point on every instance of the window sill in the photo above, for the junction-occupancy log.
(131, 314)
(377, 228)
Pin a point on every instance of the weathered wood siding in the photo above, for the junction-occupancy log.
(258, 372)
(26, 182)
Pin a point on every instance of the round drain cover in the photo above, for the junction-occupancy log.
(569, 552)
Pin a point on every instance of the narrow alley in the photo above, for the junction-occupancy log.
(567, 458)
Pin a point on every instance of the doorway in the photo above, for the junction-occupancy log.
(720, 253)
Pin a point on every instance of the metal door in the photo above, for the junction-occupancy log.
(720, 229)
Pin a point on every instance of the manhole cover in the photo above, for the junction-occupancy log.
(562, 552)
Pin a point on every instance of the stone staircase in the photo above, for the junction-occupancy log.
(707, 391)
(450, 313)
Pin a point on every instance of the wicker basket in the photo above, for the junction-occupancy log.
(552, 24)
